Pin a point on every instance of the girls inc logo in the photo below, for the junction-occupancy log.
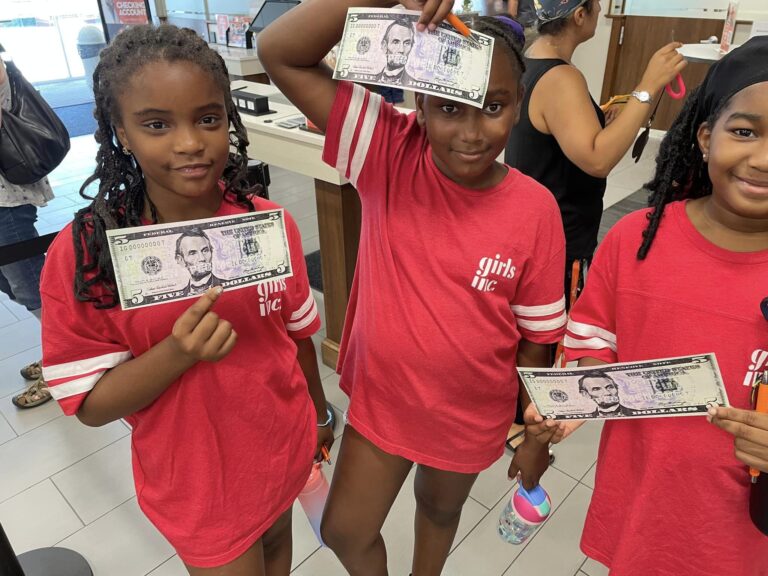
(488, 268)
(758, 365)
(266, 291)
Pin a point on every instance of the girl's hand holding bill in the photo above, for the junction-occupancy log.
(531, 458)
(200, 334)
(750, 432)
(433, 12)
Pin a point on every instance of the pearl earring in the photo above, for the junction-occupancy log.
(704, 156)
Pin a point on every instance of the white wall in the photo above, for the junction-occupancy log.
(591, 56)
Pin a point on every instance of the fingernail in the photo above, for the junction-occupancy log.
(218, 290)
(712, 411)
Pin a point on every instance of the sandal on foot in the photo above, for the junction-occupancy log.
(32, 371)
(36, 393)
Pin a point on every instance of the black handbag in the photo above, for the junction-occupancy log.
(33, 140)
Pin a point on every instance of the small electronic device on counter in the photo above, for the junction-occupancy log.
(250, 103)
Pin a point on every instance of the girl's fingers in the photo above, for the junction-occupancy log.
(531, 415)
(756, 462)
(219, 337)
(736, 421)
(427, 14)
(230, 342)
(192, 315)
(206, 327)
(442, 12)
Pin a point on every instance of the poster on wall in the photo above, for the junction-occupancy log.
(117, 14)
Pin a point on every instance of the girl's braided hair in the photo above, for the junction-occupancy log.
(499, 29)
(121, 197)
(680, 168)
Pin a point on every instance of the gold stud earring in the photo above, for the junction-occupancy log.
(126, 151)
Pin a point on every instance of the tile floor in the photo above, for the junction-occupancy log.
(64, 484)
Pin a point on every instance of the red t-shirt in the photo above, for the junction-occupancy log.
(670, 497)
(448, 281)
(228, 446)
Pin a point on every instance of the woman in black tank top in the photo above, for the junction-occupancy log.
(562, 140)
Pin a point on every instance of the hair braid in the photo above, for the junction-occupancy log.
(681, 172)
(493, 26)
(121, 197)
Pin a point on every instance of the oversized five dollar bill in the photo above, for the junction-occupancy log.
(383, 47)
(684, 386)
(168, 262)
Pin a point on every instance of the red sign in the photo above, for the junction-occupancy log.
(131, 11)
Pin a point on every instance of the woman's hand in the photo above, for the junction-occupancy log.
(662, 68)
(750, 432)
(432, 12)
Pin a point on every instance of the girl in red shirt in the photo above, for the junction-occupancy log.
(223, 396)
(686, 277)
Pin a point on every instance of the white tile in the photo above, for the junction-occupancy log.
(325, 371)
(6, 432)
(484, 552)
(578, 452)
(24, 420)
(100, 482)
(320, 301)
(615, 194)
(122, 543)
(10, 379)
(38, 517)
(305, 543)
(6, 317)
(50, 448)
(333, 393)
(305, 207)
(310, 244)
(561, 532)
(172, 567)
(589, 477)
(492, 484)
(594, 568)
(17, 309)
(23, 336)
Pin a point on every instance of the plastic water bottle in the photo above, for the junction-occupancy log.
(523, 514)
(313, 496)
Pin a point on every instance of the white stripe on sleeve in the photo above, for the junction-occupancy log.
(348, 128)
(543, 325)
(541, 310)
(366, 135)
(75, 387)
(304, 308)
(590, 343)
(589, 331)
(301, 324)
(86, 366)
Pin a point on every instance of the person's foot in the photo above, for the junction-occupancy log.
(37, 393)
(32, 371)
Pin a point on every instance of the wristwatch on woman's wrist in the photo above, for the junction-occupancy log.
(642, 96)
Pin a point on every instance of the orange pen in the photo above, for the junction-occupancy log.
(761, 405)
(461, 28)
(326, 454)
